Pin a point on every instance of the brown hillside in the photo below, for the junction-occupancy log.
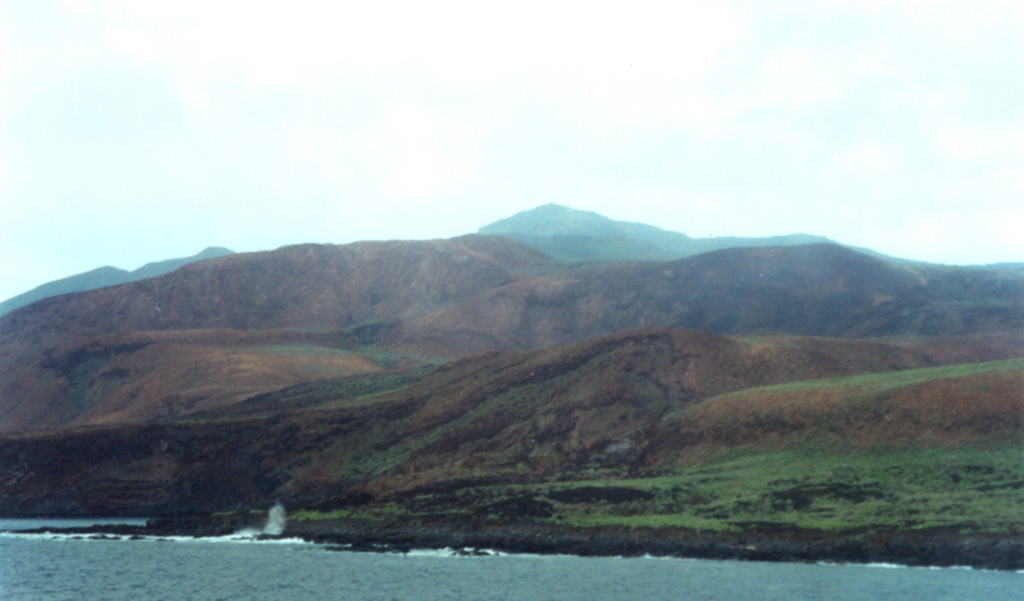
(595, 401)
(309, 287)
(450, 298)
(980, 403)
(630, 401)
(820, 290)
(139, 377)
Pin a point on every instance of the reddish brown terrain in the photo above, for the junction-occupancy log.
(636, 400)
(379, 375)
(141, 376)
(218, 331)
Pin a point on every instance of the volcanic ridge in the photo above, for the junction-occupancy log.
(478, 389)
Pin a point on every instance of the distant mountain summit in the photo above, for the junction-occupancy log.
(582, 236)
(103, 277)
(476, 386)
(192, 339)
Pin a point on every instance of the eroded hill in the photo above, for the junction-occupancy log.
(217, 332)
(626, 406)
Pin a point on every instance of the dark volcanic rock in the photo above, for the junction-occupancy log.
(520, 507)
(801, 497)
(923, 548)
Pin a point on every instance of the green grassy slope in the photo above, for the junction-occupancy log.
(962, 489)
(936, 448)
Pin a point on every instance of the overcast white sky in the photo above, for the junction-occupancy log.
(135, 131)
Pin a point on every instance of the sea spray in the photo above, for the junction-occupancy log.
(275, 521)
(274, 526)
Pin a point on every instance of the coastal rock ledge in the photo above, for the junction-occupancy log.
(931, 548)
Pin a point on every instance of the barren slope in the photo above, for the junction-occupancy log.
(607, 402)
(820, 290)
(310, 287)
(60, 359)
(143, 376)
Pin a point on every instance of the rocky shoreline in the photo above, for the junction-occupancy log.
(934, 548)
(911, 549)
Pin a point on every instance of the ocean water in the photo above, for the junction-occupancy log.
(57, 567)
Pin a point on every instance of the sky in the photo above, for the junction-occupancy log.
(134, 131)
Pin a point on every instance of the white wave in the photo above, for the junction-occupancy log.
(47, 535)
(452, 552)
(237, 538)
(897, 566)
(276, 520)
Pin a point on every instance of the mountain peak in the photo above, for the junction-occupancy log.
(578, 236)
(550, 220)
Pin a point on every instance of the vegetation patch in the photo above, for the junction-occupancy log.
(600, 494)
(973, 489)
(958, 404)
(308, 515)
(880, 382)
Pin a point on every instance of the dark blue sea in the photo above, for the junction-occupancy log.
(51, 567)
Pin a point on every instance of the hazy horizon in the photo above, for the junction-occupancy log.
(139, 132)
